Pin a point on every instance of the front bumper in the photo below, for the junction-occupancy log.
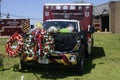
(53, 58)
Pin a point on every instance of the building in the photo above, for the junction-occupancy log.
(107, 17)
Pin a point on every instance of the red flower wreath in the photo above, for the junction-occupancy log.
(14, 38)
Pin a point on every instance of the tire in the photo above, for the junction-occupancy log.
(24, 65)
(80, 64)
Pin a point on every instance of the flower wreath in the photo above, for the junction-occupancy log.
(29, 43)
(14, 38)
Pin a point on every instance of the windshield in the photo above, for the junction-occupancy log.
(60, 24)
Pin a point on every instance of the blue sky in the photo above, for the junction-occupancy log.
(34, 8)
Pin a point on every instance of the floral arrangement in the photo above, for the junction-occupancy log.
(35, 44)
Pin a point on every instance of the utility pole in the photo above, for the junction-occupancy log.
(0, 10)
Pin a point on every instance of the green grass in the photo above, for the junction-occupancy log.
(104, 63)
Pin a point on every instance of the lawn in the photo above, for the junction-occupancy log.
(104, 63)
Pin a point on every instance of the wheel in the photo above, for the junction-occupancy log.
(24, 65)
(80, 64)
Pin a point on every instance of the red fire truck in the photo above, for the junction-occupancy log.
(81, 12)
(80, 16)
(10, 26)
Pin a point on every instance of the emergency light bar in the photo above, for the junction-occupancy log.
(66, 7)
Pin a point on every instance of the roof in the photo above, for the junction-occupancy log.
(101, 9)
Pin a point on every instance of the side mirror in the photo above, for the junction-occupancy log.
(91, 29)
(32, 26)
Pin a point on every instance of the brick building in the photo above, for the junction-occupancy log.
(107, 17)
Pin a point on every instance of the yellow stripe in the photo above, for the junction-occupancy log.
(60, 61)
(25, 26)
(25, 29)
(54, 54)
(28, 59)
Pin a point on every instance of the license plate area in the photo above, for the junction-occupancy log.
(43, 60)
